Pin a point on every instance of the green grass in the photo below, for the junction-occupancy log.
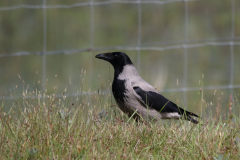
(61, 130)
(91, 127)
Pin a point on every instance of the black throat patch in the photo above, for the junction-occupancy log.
(119, 90)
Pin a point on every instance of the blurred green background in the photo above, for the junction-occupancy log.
(152, 33)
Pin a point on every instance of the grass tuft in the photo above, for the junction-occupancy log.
(94, 128)
(49, 132)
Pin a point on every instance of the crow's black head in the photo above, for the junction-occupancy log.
(117, 59)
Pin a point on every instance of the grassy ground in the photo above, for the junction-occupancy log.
(60, 128)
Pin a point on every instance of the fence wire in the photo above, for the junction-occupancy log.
(91, 3)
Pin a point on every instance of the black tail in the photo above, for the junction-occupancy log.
(190, 114)
(189, 118)
(187, 115)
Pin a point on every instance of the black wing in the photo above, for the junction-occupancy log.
(159, 103)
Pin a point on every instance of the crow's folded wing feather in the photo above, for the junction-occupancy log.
(156, 101)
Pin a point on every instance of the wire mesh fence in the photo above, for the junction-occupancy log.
(147, 20)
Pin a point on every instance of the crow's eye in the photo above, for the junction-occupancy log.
(116, 55)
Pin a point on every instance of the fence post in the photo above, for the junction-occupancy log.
(44, 49)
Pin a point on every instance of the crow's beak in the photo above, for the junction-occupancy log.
(104, 56)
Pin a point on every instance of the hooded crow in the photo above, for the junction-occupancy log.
(136, 97)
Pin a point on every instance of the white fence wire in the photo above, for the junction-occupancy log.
(231, 41)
